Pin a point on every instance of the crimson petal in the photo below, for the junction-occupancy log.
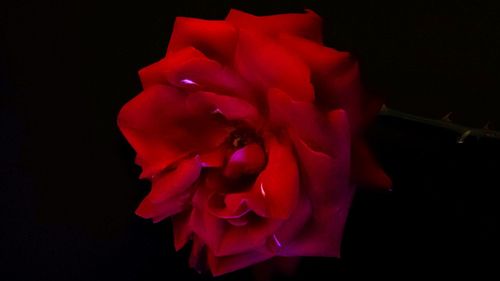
(365, 169)
(172, 183)
(182, 230)
(275, 192)
(159, 127)
(307, 25)
(267, 64)
(158, 212)
(328, 188)
(211, 225)
(302, 118)
(215, 38)
(226, 264)
(230, 107)
(247, 160)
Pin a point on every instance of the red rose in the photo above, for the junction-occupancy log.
(249, 132)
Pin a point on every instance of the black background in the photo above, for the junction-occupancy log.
(69, 186)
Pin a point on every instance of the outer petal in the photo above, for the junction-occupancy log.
(206, 227)
(158, 212)
(172, 183)
(231, 108)
(223, 238)
(240, 239)
(216, 39)
(226, 264)
(322, 61)
(336, 79)
(170, 192)
(190, 70)
(164, 71)
(197, 259)
(365, 169)
(304, 119)
(343, 89)
(307, 25)
(145, 122)
(292, 228)
(182, 231)
(161, 130)
(327, 181)
(267, 64)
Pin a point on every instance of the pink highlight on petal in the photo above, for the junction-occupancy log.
(262, 190)
(188, 82)
(276, 241)
(217, 111)
(273, 244)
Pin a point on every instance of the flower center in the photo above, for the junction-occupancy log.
(242, 137)
(245, 160)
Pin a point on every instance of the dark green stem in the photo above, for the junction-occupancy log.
(445, 123)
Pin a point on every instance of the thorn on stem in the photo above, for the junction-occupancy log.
(462, 138)
(446, 118)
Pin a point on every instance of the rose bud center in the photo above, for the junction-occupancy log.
(247, 156)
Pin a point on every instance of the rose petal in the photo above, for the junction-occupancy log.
(279, 182)
(158, 212)
(293, 227)
(206, 226)
(159, 127)
(302, 118)
(253, 199)
(336, 79)
(222, 237)
(230, 107)
(181, 229)
(172, 183)
(160, 72)
(190, 70)
(266, 64)
(328, 188)
(226, 264)
(213, 159)
(365, 169)
(244, 161)
(171, 191)
(216, 39)
(307, 25)
(344, 90)
(224, 209)
(197, 259)
(145, 121)
(275, 192)
(322, 61)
